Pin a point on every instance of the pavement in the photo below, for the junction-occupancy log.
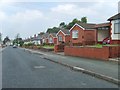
(107, 70)
(24, 69)
(1, 49)
(110, 59)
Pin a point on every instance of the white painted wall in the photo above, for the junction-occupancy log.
(114, 36)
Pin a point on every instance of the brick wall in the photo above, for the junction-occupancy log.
(87, 37)
(65, 38)
(80, 35)
(90, 52)
(115, 42)
(114, 52)
(58, 48)
(90, 37)
(55, 41)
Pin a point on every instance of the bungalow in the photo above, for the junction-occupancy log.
(103, 32)
(38, 40)
(115, 29)
(63, 36)
(34, 39)
(27, 41)
(52, 38)
(45, 38)
(83, 34)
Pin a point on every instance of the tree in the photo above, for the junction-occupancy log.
(62, 25)
(84, 19)
(49, 30)
(53, 30)
(18, 36)
(72, 23)
(6, 39)
(18, 40)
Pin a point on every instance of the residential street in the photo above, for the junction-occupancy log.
(22, 69)
(107, 68)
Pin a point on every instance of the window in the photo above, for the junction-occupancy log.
(50, 40)
(117, 28)
(60, 38)
(43, 40)
(75, 34)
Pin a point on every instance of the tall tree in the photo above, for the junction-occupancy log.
(84, 19)
(62, 25)
(18, 40)
(72, 23)
(6, 39)
(53, 30)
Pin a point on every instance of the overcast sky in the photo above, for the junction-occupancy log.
(29, 18)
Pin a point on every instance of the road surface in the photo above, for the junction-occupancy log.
(22, 69)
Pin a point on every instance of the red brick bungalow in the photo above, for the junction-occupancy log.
(83, 34)
(102, 32)
(63, 36)
(45, 38)
(115, 29)
(52, 38)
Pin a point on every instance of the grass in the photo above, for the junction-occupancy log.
(101, 45)
(111, 45)
(48, 46)
(96, 46)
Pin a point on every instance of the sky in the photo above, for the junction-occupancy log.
(29, 17)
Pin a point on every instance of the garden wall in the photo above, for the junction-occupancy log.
(59, 48)
(103, 53)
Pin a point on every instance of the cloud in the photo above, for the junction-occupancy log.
(65, 8)
(2, 16)
(30, 18)
(24, 22)
(73, 9)
(96, 12)
(27, 15)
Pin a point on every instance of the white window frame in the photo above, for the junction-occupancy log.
(75, 34)
(60, 39)
(50, 40)
(117, 28)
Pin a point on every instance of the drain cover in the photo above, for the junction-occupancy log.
(39, 67)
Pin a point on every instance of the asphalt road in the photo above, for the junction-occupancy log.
(25, 70)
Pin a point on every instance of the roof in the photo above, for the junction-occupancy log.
(102, 25)
(117, 16)
(53, 34)
(45, 35)
(65, 31)
(87, 25)
(38, 37)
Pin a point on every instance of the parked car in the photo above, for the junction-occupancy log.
(14, 46)
(106, 41)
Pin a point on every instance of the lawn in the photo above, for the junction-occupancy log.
(101, 45)
(48, 46)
